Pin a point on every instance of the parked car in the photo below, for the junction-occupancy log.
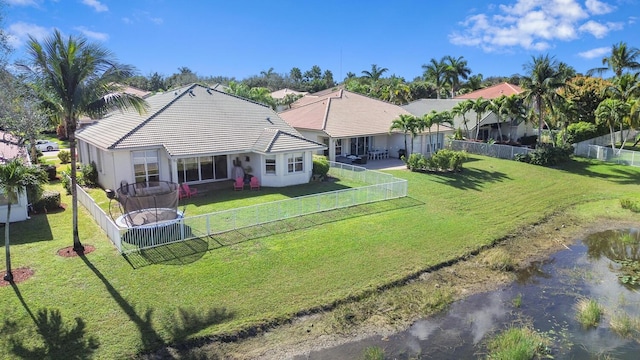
(46, 145)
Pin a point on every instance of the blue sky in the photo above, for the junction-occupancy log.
(242, 38)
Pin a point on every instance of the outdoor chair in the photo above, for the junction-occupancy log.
(238, 184)
(254, 183)
(186, 191)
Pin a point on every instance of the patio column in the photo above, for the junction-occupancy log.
(332, 149)
(173, 170)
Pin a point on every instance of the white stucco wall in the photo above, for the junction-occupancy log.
(282, 177)
(18, 211)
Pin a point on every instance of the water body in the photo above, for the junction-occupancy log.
(548, 291)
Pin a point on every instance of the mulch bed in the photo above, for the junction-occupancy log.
(68, 251)
(19, 275)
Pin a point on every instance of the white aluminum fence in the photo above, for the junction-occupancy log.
(608, 154)
(103, 220)
(381, 187)
(493, 150)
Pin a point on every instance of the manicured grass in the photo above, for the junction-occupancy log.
(102, 305)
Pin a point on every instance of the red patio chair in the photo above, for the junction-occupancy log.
(187, 191)
(254, 183)
(238, 184)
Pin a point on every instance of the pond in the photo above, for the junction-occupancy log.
(604, 267)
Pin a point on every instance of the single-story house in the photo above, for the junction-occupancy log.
(491, 126)
(353, 124)
(11, 148)
(195, 135)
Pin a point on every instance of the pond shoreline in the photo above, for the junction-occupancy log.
(462, 279)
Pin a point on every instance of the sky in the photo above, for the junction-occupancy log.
(242, 38)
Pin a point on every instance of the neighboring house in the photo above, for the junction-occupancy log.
(488, 125)
(126, 89)
(282, 93)
(11, 148)
(195, 135)
(354, 124)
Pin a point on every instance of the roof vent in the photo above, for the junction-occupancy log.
(175, 93)
(269, 120)
(191, 93)
(209, 91)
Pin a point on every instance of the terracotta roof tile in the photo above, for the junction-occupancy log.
(492, 92)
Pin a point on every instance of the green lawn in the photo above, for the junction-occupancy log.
(101, 306)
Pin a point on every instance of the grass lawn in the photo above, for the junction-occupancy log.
(99, 306)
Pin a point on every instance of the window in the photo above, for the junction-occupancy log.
(361, 145)
(270, 164)
(4, 200)
(145, 166)
(295, 162)
(202, 168)
(338, 147)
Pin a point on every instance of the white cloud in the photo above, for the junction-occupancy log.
(18, 33)
(142, 16)
(599, 30)
(532, 24)
(594, 53)
(92, 34)
(22, 2)
(96, 5)
(597, 7)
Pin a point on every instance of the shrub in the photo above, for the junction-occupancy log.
(50, 170)
(581, 131)
(90, 175)
(34, 192)
(528, 140)
(64, 156)
(547, 155)
(630, 204)
(50, 200)
(415, 162)
(66, 180)
(589, 312)
(518, 343)
(446, 160)
(320, 165)
(458, 134)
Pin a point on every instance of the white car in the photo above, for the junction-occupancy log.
(46, 145)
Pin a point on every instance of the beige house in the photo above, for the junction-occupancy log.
(11, 148)
(196, 135)
(351, 124)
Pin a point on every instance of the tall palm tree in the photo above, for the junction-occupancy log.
(456, 69)
(435, 73)
(82, 78)
(622, 57)
(426, 122)
(375, 74)
(406, 124)
(14, 179)
(513, 107)
(544, 78)
(612, 112)
(480, 107)
(461, 109)
(441, 118)
(495, 105)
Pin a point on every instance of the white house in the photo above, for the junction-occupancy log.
(10, 148)
(196, 135)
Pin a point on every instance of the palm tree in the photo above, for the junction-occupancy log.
(545, 77)
(513, 107)
(435, 73)
(443, 117)
(375, 73)
(14, 179)
(495, 105)
(612, 112)
(82, 79)
(462, 108)
(622, 57)
(456, 68)
(426, 122)
(406, 124)
(479, 106)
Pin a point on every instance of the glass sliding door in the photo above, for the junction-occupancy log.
(202, 168)
(360, 145)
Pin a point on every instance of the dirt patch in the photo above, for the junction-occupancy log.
(19, 275)
(69, 252)
(471, 275)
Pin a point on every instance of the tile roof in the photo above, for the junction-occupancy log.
(11, 148)
(280, 94)
(424, 106)
(493, 92)
(343, 113)
(193, 120)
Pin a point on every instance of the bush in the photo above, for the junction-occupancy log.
(66, 180)
(443, 160)
(50, 200)
(64, 156)
(50, 170)
(320, 165)
(528, 140)
(89, 175)
(581, 131)
(630, 204)
(547, 155)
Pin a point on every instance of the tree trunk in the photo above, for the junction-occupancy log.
(9, 275)
(77, 245)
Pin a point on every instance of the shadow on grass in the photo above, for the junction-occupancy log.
(186, 323)
(33, 230)
(191, 250)
(621, 174)
(469, 179)
(58, 340)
